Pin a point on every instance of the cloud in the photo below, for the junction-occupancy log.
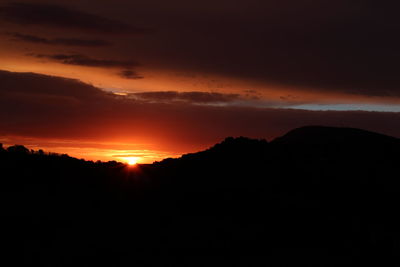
(59, 41)
(189, 97)
(26, 83)
(130, 74)
(83, 60)
(56, 16)
(51, 107)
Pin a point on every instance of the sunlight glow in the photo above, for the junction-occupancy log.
(132, 160)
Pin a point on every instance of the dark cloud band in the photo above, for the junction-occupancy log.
(59, 41)
(55, 16)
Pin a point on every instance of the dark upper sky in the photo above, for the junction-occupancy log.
(209, 55)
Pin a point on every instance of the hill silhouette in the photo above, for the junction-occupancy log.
(313, 135)
(317, 196)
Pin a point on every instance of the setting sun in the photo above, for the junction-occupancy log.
(132, 160)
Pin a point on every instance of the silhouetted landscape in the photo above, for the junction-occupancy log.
(316, 196)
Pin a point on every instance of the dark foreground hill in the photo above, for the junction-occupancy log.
(316, 196)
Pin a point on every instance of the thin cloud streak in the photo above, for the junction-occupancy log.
(59, 41)
(130, 74)
(83, 60)
(188, 97)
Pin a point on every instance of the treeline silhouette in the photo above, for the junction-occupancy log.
(317, 196)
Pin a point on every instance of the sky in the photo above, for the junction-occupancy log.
(108, 80)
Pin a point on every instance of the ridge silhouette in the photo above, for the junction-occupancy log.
(317, 196)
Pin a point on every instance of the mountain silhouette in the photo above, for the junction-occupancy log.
(317, 196)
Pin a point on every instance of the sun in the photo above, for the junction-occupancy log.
(132, 160)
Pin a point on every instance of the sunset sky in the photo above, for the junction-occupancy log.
(108, 80)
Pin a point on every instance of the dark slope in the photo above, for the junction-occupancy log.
(317, 196)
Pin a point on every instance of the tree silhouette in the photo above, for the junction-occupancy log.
(18, 149)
